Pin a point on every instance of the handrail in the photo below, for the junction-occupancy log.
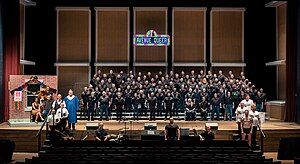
(40, 131)
(262, 136)
(42, 126)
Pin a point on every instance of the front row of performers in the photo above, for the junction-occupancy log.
(247, 120)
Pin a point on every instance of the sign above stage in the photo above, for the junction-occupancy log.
(151, 39)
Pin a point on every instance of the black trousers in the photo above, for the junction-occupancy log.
(159, 109)
(253, 137)
(90, 113)
(152, 113)
(119, 114)
(168, 110)
(204, 115)
(62, 124)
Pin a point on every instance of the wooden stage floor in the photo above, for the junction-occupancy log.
(113, 125)
(26, 141)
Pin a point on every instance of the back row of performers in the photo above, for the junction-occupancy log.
(169, 94)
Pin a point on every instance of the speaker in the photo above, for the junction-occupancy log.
(91, 126)
(288, 149)
(6, 151)
(184, 131)
(151, 135)
(150, 126)
(213, 125)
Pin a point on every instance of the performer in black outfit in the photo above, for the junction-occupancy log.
(152, 104)
(176, 98)
(203, 106)
(172, 131)
(168, 101)
(160, 99)
(85, 96)
(143, 98)
(136, 106)
(119, 104)
(91, 106)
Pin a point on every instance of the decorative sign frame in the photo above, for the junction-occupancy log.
(151, 39)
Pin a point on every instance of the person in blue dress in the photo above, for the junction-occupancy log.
(72, 105)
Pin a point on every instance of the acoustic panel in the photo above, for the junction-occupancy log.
(189, 35)
(150, 20)
(227, 36)
(112, 35)
(73, 35)
(75, 78)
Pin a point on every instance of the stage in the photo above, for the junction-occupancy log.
(26, 141)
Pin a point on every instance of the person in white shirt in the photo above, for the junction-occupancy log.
(57, 102)
(256, 122)
(247, 102)
(52, 120)
(239, 114)
(62, 113)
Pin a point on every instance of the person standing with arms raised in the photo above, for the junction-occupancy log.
(72, 105)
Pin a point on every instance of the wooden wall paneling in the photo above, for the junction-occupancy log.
(115, 69)
(189, 35)
(73, 30)
(154, 70)
(281, 30)
(226, 36)
(187, 70)
(112, 30)
(235, 70)
(155, 19)
(75, 78)
(281, 50)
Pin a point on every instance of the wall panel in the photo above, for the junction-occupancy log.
(281, 50)
(153, 70)
(187, 70)
(227, 35)
(74, 78)
(116, 70)
(112, 35)
(189, 35)
(150, 20)
(73, 32)
(235, 70)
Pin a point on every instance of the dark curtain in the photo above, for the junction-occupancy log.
(11, 57)
(1, 62)
(291, 58)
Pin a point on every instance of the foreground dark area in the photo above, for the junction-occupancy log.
(219, 151)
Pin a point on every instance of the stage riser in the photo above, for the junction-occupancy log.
(27, 142)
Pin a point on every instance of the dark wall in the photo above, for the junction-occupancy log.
(260, 33)
(1, 62)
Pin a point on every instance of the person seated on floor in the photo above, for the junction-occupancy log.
(101, 134)
(207, 134)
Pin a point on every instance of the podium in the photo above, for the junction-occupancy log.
(276, 109)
